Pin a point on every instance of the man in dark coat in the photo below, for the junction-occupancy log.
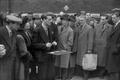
(113, 49)
(53, 28)
(42, 44)
(8, 60)
(102, 31)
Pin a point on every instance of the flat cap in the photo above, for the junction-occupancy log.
(13, 18)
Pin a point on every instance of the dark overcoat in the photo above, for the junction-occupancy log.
(101, 34)
(45, 61)
(8, 69)
(113, 50)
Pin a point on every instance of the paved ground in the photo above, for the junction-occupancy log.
(79, 78)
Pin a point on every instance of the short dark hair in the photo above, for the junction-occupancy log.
(43, 17)
(117, 14)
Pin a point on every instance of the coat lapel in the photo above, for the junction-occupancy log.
(64, 31)
(103, 29)
(13, 40)
(115, 29)
(6, 37)
(84, 29)
(43, 34)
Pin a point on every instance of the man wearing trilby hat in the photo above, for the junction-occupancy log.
(8, 48)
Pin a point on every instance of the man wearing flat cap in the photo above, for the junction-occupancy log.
(8, 57)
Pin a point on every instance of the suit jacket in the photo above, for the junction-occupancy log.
(83, 41)
(54, 30)
(113, 50)
(8, 70)
(39, 49)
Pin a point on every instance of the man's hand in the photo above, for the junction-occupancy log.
(48, 45)
(54, 43)
(2, 53)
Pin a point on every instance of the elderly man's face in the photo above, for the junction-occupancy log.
(82, 20)
(14, 26)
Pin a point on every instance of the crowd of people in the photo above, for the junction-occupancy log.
(25, 43)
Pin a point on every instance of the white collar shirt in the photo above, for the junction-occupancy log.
(9, 31)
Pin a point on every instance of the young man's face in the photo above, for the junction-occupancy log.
(27, 26)
(115, 19)
(103, 19)
(48, 20)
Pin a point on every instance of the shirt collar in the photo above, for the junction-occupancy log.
(117, 23)
(44, 27)
(9, 30)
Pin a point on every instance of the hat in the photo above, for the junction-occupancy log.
(65, 17)
(72, 18)
(13, 19)
(116, 10)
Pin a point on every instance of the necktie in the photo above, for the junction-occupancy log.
(61, 29)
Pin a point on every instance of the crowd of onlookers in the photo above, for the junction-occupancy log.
(78, 33)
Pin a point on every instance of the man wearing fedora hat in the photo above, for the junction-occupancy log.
(8, 63)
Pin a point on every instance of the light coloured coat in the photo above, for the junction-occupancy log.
(83, 41)
(65, 43)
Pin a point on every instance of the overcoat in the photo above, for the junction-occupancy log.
(65, 39)
(113, 50)
(8, 69)
(24, 57)
(101, 34)
(83, 41)
(43, 60)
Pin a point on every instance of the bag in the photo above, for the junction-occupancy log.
(89, 62)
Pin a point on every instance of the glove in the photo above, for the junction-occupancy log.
(54, 43)
(48, 45)
(26, 58)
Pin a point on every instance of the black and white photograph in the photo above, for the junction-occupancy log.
(59, 39)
